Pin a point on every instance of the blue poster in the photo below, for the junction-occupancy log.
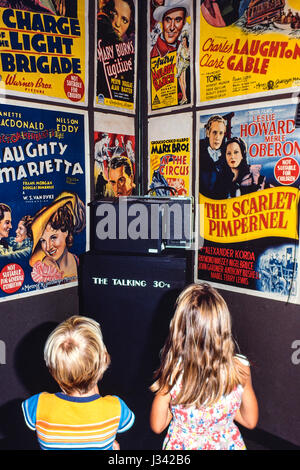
(43, 187)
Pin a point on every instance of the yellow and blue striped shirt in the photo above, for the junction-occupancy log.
(65, 422)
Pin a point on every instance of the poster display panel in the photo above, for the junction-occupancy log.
(248, 185)
(114, 156)
(115, 54)
(170, 155)
(247, 47)
(170, 52)
(44, 181)
(43, 50)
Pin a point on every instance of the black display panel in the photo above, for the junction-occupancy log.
(133, 299)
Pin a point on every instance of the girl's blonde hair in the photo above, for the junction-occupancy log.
(75, 354)
(199, 349)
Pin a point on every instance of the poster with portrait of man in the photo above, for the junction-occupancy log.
(248, 178)
(170, 53)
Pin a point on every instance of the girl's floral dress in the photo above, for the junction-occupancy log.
(206, 428)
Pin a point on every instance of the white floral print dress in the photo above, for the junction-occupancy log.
(205, 428)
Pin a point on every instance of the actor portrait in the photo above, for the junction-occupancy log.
(237, 176)
(53, 230)
(120, 176)
(116, 21)
(24, 231)
(210, 156)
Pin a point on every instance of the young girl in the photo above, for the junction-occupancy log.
(202, 386)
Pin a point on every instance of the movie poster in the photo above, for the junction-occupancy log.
(170, 155)
(248, 183)
(114, 156)
(247, 47)
(170, 43)
(115, 57)
(43, 50)
(44, 180)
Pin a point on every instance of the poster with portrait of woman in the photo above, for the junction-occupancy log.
(247, 48)
(114, 155)
(248, 177)
(115, 54)
(43, 53)
(44, 183)
(170, 52)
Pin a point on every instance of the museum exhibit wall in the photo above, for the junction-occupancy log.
(61, 101)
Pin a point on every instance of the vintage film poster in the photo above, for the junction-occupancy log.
(115, 54)
(44, 183)
(247, 47)
(170, 155)
(248, 185)
(114, 156)
(43, 49)
(170, 52)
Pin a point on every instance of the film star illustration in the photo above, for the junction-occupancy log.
(53, 229)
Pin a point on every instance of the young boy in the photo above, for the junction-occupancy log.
(78, 417)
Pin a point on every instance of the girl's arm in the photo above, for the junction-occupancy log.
(160, 415)
(247, 415)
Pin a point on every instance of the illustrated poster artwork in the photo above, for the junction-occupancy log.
(43, 49)
(170, 147)
(170, 53)
(247, 47)
(170, 163)
(44, 183)
(114, 164)
(248, 182)
(115, 54)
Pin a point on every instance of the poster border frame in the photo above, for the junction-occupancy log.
(222, 101)
(192, 145)
(61, 109)
(102, 107)
(171, 109)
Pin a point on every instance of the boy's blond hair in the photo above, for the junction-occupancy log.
(75, 354)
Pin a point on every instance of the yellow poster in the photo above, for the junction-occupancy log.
(170, 162)
(42, 50)
(248, 181)
(250, 48)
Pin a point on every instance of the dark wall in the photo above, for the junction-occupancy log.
(265, 331)
(25, 326)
